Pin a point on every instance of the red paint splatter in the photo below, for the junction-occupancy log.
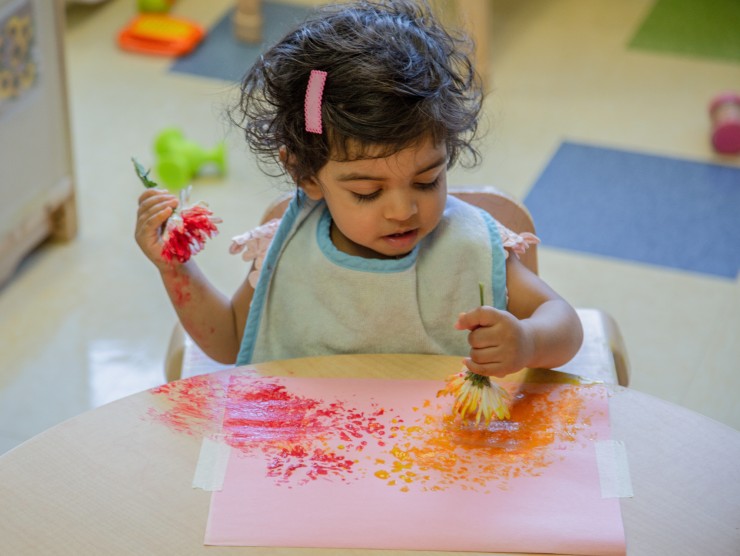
(194, 406)
(301, 438)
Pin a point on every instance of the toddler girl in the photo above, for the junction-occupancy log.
(365, 106)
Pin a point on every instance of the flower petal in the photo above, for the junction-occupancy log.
(476, 397)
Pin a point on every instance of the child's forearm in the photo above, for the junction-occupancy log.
(556, 334)
(204, 312)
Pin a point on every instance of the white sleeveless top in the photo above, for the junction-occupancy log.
(312, 299)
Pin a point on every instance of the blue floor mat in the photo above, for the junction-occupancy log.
(650, 209)
(222, 56)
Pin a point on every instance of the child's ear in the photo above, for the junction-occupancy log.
(312, 188)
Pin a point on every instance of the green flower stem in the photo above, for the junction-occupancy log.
(479, 381)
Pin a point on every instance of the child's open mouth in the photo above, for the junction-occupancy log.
(402, 240)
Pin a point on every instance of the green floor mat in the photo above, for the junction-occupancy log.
(705, 28)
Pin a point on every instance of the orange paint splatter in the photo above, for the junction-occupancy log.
(440, 451)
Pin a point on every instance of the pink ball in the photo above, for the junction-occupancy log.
(724, 111)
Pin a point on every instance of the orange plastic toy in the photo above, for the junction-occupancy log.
(161, 35)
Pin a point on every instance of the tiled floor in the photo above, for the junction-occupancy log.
(87, 322)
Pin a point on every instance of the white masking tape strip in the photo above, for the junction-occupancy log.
(614, 471)
(212, 462)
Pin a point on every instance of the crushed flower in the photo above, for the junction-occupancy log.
(476, 396)
(187, 230)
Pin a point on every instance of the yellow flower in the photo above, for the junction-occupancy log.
(476, 396)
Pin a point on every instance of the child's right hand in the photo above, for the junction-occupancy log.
(500, 343)
(155, 207)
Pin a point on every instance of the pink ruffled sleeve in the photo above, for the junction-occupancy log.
(253, 246)
(516, 243)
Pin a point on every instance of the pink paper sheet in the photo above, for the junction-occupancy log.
(380, 464)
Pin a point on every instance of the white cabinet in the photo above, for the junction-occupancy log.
(37, 198)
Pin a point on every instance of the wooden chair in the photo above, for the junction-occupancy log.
(602, 357)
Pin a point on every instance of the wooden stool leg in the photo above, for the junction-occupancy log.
(248, 20)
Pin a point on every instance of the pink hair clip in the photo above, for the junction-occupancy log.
(312, 106)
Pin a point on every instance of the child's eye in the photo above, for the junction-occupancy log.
(360, 198)
(428, 186)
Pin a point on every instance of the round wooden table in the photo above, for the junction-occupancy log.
(110, 481)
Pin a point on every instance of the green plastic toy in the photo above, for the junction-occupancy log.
(180, 160)
(156, 6)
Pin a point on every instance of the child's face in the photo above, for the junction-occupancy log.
(383, 207)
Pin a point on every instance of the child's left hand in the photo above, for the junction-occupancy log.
(500, 343)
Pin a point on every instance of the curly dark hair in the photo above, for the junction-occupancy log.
(395, 76)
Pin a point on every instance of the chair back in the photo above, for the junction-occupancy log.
(504, 208)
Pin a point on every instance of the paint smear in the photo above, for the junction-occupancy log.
(300, 438)
(303, 439)
(181, 290)
(438, 450)
(193, 406)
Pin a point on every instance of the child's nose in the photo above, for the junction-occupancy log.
(401, 207)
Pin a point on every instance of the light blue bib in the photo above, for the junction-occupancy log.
(311, 299)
